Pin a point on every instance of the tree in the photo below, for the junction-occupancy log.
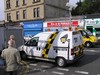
(87, 7)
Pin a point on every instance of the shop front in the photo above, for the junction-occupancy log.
(93, 25)
(58, 25)
(32, 27)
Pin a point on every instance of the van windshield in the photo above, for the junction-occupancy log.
(85, 33)
(88, 32)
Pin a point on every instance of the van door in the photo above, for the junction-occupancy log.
(38, 50)
(61, 45)
(31, 46)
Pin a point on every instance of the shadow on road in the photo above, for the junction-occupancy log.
(32, 69)
(94, 47)
(87, 59)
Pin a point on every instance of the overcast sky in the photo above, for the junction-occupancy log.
(2, 7)
(73, 1)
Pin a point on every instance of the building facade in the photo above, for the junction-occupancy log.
(2, 23)
(63, 23)
(92, 23)
(32, 13)
(25, 10)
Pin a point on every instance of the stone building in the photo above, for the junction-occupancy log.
(32, 13)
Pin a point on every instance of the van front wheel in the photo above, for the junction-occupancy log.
(23, 55)
(88, 44)
(61, 62)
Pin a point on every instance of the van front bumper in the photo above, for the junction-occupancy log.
(96, 43)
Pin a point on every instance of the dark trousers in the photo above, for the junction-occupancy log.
(11, 73)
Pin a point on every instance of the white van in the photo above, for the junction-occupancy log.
(62, 47)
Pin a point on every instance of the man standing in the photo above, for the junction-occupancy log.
(12, 58)
(12, 37)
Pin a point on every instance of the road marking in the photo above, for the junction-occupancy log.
(43, 70)
(59, 73)
(91, 50)
(43, 66)
(63, 69)
(82, 72)
(37, 69)
(33, 64)
(98, 74)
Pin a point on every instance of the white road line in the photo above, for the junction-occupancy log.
(82, 72)
(44, 66)
(33, 64)
(98, 74)
(63, 69)
(43, 70)
(59, 73)
(91, 50)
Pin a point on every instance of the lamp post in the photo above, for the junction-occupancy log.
(70, 16)
(70, 6)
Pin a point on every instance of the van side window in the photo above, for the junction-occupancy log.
(84, 33)
(32, 42)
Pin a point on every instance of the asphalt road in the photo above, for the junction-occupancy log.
(88, 65)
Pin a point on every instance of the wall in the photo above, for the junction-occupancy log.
(28, 7)
(55, 8)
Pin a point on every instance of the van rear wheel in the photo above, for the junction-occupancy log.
(88, 44)
(61, 62)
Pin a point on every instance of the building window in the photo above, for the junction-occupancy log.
(17, 15)
(8, 16)
(36, 12)
(24, 14)
(17, 3)
(24, 2)
(8, 4)
(35, 1)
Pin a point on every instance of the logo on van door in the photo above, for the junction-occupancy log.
(64, 38)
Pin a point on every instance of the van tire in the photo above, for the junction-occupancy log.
(23, 55)
(60, 62)
(88, 44)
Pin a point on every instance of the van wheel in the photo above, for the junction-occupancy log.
(88, 44)
(23, 55)
(61, 62)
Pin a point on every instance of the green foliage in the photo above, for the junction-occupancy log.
(87, 7)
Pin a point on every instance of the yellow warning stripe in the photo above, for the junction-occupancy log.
(81, 47)
(48, 45)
